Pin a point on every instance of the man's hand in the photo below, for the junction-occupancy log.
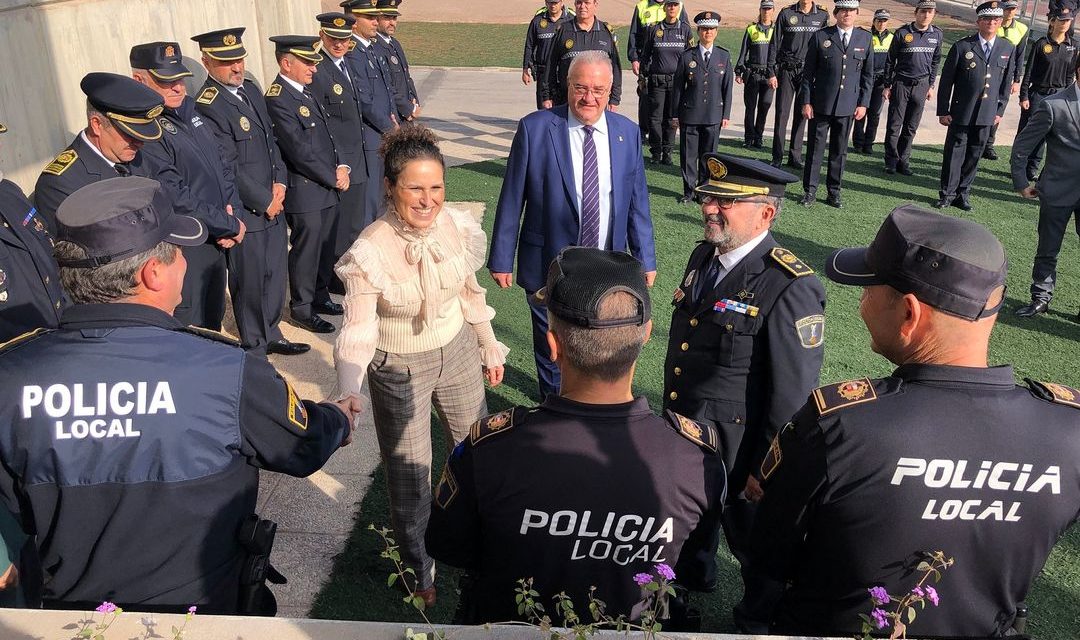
(393, 119)
(773, 82)
(808, 111)
(352, 407)
(1025, 104)
(342, 183)
(239, 237)
(753, 491)
(886, 92)
(724, 123)
(1014, 89)
(997, 120)
(494, 375)
(504, 280)
(547, 104)
(417, 110)
(526, 77)
(277, 204)
(1029, 192)
(636, 67)
(738, 79)
(945, 120)
(10, 579)
(930, 93)
(860, 113)
(650, 278)
(674, 123)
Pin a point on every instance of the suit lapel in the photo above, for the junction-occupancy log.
(616, 144)
(837, 40)
(93, 162)
(560, 140)
(1074, 106)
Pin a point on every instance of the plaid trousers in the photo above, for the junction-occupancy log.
(403, 389)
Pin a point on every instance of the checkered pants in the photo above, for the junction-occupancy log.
(403, 389)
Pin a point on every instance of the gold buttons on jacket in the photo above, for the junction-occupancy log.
(684, 346)
(693, 322)
(678, 371)
(674, 395)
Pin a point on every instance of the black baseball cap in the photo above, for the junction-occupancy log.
(582, 277)
(127, 103)
(117, 218)
(163, 60)
(949, 263)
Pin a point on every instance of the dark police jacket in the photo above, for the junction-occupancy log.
(872, 472)
(660, 54)
(914, 54)
(577, 495)
(791, 36)
(539, 38)
(746, 374)
(132, 451)
(703, 94)
(307, 147)
(569, 42)
(341, 103)
(373, 85)
(973, 90)
(836, 80)
(1050, 67)
(400, 79)
(30, 292)
(246, 133)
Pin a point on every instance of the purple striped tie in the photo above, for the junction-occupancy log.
(590, 193)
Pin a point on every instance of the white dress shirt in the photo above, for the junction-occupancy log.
(729, 260)
(294, 84)
(603, 166)
(983, 43)
(82, 134)
(844, 34)
(705, 51)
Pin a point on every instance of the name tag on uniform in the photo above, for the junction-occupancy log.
(737, 307)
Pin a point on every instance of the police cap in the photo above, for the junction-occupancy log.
(1062, 13)
(882, 14)
(127, 103)
(336, 24)
(845, 4)
(117, 218)
(1010, 4)
(951, 264)
(300, 46)
(707, 20)
(223, 44)
(388, 7)
(581, 277)
(734, 177)
(766, 4)
(926, 4)
(162, 59)
(362, 7)
(990, 9)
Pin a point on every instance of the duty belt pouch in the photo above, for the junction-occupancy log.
(256, 536)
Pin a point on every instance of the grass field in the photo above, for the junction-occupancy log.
(1045, 348)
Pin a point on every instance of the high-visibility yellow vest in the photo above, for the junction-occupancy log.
(758, 35)
(882, 45)
(649, 12)
(1014, 33)
(543, 9)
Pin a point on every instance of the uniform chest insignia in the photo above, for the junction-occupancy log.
(793, 20)
(3, 277)
(1047, 48)
(908, 37)
(274, 90)
(811, 330)
(678, 296)
(701, 435)
(969, 55)
(836, 396)
(744, 295)
(972, 65)
(659, 33)
(569, 44)
(496, 423)
(207, 96)
(338, 89)
(738, 307)
(297, 412)
(1057, 393)
(447, 489)
(304, 111)
(167, 125)
(692, 64)
(61, 162)
(827, 44)
(393, 60)
(789, 261)
(543, 24)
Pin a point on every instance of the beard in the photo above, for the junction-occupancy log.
(723, 237)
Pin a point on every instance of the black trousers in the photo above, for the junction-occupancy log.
(757, 98)
(789, 84)
(1035, 159)
(643, 108)
(905, 112)
(864, 132)
(352, 217)
(661, 135)
(257, 280)
(312, 237)
(835, 131)
(539, 73)
(374, 190)
(203, 297)
(1053, 221)
(695, 140)
(964, 145)
(548, 376)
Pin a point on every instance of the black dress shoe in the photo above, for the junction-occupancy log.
(807, 200)
(776, 164)
(795, 163)
(758, 144)
(890, 170)
(961, 202)
(683, 199)
(942, 203)
(834, 201)
(666, 160)
(905, 170)
(285, 348)
(314, 324)
(868, 150)
(1035, 308)
(989, 154)
(328, 308)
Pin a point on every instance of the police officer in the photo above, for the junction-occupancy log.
(871, 474)
(30, 291)
(592, 487)
(191, 165)
(406, 98)
(864, 131)
(1015, 32)
(746, 342)
(975, 82)
(795, 26)
(752, 71)
(837, 82)
(132, 437)
(702, 99)
(121, 117)
(316, 179)
(539, 39)
(910, 73)
(647, 14)
(585, 32)
(236, 110)
(1049, 69)
(660, 59)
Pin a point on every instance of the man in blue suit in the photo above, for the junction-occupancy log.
(578, 174)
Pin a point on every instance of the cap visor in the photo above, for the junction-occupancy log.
(227, 56)
(146, 132)
(186, 231)
(539, 297)
(173, 72)
(848, 266)
(722, 192)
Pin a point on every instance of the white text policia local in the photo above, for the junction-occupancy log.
(98, 408)
(994, 476)
(636, 538)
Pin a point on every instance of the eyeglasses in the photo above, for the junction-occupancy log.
(727, 203)
(580, 90)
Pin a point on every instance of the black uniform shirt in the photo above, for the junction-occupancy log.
(1050, 66)
(973, 89)
(792, 33)
(576, 495)
(640, 26)
(571, 40)
(933, 458)
(30, 292)
(914, 54)
(837, 80)
(660, 53)
(538, 40)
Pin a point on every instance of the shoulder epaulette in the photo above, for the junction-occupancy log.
(24, 338)
(500, 422)
(542, 9)
(275, 89)
(845, 394)
(207, 96)
(1056, 393)
(791, 262)
(210, 334)
(610, 28)
(702, 435)
(61, 162)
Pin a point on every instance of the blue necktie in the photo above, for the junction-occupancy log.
(707, 280)
(590, 193)
(986, 51)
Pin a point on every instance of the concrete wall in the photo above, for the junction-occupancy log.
(48, 46)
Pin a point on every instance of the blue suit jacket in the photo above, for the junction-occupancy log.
(540, 181)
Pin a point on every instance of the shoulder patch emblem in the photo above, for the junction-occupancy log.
(22, 338)
(304, 111)
(789, 261)
(274, 90)
(1048, 48)
(701, 435)
(207, 96)
(61, 162)
(908, 37)
(774, 456)
(543, 23)
(296, 410)
(569, 44)
(1057, 393)
(837, 396)
(495, 423)
(167, 125)
(811, 330)
(447, 489)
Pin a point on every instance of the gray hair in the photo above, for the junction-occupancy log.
(590, 57)
(110, 282)
(605, 354)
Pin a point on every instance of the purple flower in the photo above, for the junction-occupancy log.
(106, 607)
(191, 610)
(642, 579)
(918, 592)
(932, 595)
(665, 572)
(879, 595)
(881, 619)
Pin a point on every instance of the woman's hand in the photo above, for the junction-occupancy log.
(494, 375)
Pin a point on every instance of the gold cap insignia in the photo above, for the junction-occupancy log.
(170, 51)
(155, 112)
(993, 5)
(339, 22)
(374, 2)
(229, 40)
(304, 111)
(245, 124)
(708, 15)
(717, 170)
(853, 389)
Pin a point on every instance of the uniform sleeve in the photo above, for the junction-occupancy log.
(551, 72)
(1018, 57)
(774, 43)
(633, 38)
(948, 73)
(726, 90)
(696, 567)
(935, 61)
(1005, 87)
(453, 533)
(678, 86)
(47, 199)
(296, 146)
(1025, 81)
(890, 60)
(866, 80)
(218, 223)
(359, 270)
(616, 67)
(527, 61)
(809, 72)
(1034, 132)
(281, 432)
(744, 51)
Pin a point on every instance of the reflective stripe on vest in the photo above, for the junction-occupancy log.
(1014, 33)
(757, 36)
(882, 46)
(649, 13)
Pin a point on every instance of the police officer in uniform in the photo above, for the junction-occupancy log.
(317, 178)
(1049, 69)
(189, 162)
(910, 73)
(122, 117)
(795, 26)
(236, 110)
(585, 32)
(503, 512)
(864, 131)
(975, 82)
(702, 99)
(871, 474)
(30, 291)
(660, 59)
(647, 14)
(539, 38)
(746, 342)
(406, 98)
(837, 82)
(1015, 32)
(752, 71)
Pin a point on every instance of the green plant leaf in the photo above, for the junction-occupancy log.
(391, 579)
(910, 614)
(923, 566)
